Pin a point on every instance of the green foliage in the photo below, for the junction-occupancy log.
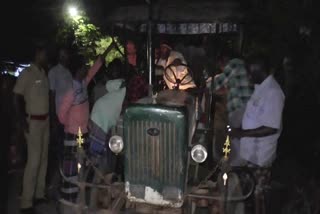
(87, 37)
(103, 43)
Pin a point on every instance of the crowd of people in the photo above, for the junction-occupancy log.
(251, 97)
(51, 105)
(273, 124)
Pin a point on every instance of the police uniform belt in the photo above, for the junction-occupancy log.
(38, 116)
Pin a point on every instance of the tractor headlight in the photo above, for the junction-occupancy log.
(199, 153)
(116, 144)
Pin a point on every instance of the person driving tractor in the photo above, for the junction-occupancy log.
(176, 74)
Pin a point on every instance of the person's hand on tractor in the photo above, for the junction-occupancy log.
(262, 131)
(235, 132)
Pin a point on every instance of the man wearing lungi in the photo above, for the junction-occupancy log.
(74, 113)
(261, 125)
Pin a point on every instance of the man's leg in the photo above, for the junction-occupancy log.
(261, 193)
(34, 145)
(234, 190)
(41, 179)
(54, 157)
(70, 191)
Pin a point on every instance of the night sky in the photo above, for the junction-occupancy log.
(24, 22)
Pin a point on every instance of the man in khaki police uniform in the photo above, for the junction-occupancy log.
(32, 88)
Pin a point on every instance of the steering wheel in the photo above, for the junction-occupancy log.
(176, 80)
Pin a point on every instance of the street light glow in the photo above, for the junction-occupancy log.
(73, 11)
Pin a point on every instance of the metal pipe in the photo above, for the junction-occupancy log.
(149, 47)
(188, 170)
(220, 198)
(225, 206)
(196, 172)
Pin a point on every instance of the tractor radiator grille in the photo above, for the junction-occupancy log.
(153, 159)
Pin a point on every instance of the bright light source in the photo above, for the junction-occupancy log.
(225, 178)
(79, 167)
(73, 11)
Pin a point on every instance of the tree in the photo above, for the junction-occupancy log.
(86, 38)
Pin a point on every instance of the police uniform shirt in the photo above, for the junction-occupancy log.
(33, 85)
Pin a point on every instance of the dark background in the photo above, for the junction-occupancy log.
(24, 22)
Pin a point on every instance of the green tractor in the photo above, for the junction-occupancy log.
(166, 149)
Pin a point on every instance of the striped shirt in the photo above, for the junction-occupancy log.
(235, 78)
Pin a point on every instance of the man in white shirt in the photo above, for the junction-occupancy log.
(261, 124)
(60, 78)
